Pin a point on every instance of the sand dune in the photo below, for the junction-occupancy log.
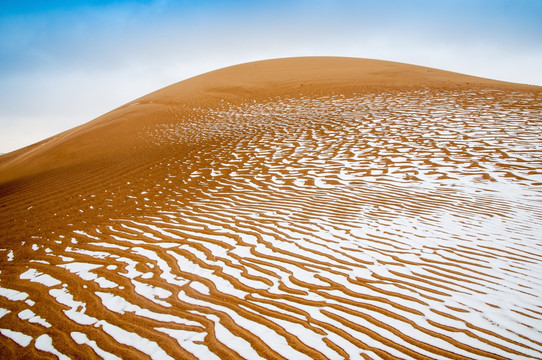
(303, 208)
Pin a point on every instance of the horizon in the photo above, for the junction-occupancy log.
(65, 63)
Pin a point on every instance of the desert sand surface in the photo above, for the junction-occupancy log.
(301, 208)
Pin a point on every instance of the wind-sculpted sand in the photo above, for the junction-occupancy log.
(346, 221)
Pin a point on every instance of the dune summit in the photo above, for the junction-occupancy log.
(303, 208)
(114, 134)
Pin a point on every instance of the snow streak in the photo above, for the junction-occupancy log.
(385, 225)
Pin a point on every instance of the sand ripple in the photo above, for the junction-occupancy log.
(383, 225)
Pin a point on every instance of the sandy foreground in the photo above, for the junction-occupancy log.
(303, 208)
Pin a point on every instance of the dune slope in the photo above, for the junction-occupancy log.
(316, 208)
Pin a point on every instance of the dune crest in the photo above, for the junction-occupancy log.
(303, 208)
(113, 134)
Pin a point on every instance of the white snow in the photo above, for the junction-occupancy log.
(13, 295)
(20, 338)
(132, 339)
(83, 271)
(196, 285)
(45, 343)
(35, 276)
(77, 308)
(192, 342)
(81, 338)
(4, 312)
(120, 305)
(152, 292)
(29, 315)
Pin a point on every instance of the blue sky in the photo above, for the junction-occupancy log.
(63, 63)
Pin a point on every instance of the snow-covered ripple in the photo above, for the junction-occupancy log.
(383, 225)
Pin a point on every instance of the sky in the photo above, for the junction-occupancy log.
(66, 62)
